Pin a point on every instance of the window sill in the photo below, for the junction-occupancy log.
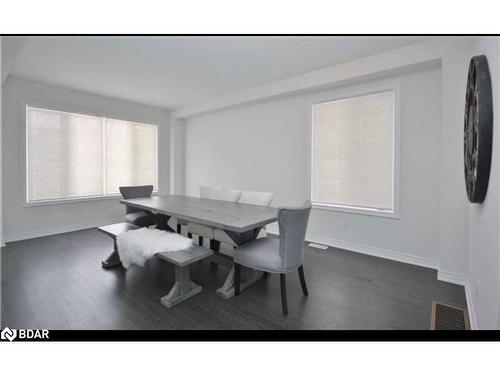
(75, 200)
(356, 210)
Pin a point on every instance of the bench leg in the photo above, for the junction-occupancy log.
(113, 259)
(183, 288)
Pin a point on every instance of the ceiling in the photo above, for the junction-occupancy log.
(171, 72)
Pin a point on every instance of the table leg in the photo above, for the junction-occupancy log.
(248, 277)
(163, 223)
(113, 259)
(183, 288)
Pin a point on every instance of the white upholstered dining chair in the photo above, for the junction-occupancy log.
(246, 197)
(217, 193)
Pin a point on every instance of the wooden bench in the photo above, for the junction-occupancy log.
(113, 230)
(184, 287)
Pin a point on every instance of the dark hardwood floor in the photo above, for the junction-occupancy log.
(57, 282)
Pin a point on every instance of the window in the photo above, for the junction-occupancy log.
(71, 155)
(353, 153)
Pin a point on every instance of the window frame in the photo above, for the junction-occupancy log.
(352, 93)
(79, 111)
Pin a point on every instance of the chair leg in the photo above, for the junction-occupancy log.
(303, 280)
(215, 245)
(200, 240)
(283, 293)
(237, 279)
(178, 228)
(162, 222)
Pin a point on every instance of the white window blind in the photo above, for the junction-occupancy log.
(130, 154)
(71, 155)
(353, 152)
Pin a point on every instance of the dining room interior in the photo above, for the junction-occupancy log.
(250, 182)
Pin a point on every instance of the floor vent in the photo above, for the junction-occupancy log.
(317, 246)
(446, 317)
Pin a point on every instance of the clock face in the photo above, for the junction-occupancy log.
(478, 129)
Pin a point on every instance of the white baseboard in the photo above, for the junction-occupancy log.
(57, 230)
(446, 276)
(470, 306)
(451, 277)
(459, 279)
(370, 250)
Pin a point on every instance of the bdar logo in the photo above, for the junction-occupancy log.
(8, 334)
(24, 334)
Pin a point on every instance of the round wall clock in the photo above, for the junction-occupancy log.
(478, 129)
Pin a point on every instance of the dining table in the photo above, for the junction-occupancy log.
(242, 223)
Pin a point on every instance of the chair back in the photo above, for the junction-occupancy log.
(208, 192)
(218, 193)
(131, 192)
(292, 224)
(256, 197)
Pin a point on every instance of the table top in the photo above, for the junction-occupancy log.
(230, 216)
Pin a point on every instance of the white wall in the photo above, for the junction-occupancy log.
(452, 54)
(177, 150)
(453, 199)
(266, 147)
(24, 222)
(484, 219)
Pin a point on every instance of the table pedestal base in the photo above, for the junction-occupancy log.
(248, 277)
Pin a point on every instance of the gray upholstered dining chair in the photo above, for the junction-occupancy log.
(277, 255)
(136, 216)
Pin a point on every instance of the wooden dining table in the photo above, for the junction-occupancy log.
(242, 223)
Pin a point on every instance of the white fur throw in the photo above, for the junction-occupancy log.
(137, 246)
